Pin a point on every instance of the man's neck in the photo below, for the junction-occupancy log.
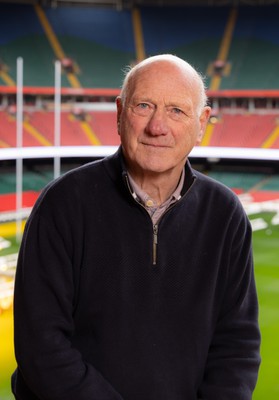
(158, 186)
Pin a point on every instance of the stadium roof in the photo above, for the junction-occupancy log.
(132, 3)
(120, 4)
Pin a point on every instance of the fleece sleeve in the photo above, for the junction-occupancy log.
(43, 306)
(233, 359)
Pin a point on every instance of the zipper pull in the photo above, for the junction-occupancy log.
(155, 242)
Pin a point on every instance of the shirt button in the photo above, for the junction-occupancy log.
(149, 203)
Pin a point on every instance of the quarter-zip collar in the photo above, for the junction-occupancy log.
(154, 210)
(115, 166)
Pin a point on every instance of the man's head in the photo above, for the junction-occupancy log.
(161, 114)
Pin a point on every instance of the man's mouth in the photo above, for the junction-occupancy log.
(155, 145)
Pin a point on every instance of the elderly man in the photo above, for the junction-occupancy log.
(135, 276)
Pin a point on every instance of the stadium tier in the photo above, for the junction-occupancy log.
(235, 47)
(99, 43)
(96, 43)
(79, 127)
(244, 130)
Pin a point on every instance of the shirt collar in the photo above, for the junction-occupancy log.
(146, 200)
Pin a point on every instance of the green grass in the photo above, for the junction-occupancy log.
(266, 255)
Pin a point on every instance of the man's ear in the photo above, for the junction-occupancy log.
(119, 108)
(204, 117)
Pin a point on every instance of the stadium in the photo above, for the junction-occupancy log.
(61, 63)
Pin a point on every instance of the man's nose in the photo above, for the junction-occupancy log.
(158, 123)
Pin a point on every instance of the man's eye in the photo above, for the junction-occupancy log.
(176, 110)
(143, 106)
(176, 113)
(143, 109)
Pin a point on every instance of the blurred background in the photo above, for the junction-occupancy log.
(61, 68)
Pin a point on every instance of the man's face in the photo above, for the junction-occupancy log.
(159, 124)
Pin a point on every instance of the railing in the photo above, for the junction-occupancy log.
(112, 92)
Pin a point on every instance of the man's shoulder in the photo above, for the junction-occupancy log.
(96, 169)
(216, 190)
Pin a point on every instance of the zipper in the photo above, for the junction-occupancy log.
(155, 243)
(155, 227)
(155, 230)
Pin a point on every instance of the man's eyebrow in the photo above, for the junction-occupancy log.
(180, 104)
(141, 99)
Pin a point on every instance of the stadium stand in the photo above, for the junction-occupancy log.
(243, 130)
(234, 43)
(39, 127)
(7, 130)
(31, 137)
(229, 130)
(22, 35)
(193, 33)
(95, 43)
(254, 54)
(100, 41)
(44, 123)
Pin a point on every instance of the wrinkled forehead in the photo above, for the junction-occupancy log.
(164, 78)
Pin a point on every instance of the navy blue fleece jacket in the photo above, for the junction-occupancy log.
(109, 307)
